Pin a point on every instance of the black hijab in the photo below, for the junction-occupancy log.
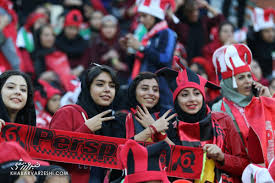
(132, 91)
(39, 53)
(85, 99)
(26, 115)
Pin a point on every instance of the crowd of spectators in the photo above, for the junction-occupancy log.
(55, 42)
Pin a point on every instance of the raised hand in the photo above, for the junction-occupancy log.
(214, 152)
(123, 42)
(144, 117)
(262, 90)
(95, 123)
(132, 42)
(162, 123)
(202, 3)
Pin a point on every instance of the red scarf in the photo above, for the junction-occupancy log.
(261, 116)
(241, 121)
(196, 133)
(93, 150)
(139, 55)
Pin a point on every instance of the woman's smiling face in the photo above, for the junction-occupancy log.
(190, 100)
(15, 93)
(102, 89)
(147, 92)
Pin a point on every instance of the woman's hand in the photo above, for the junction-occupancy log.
(162, 123)
(119, 66)
(262, 90)
(214, 152)
(205, 4)
(202, 3)
(123, 42)
(2, 123)
(132, 42)
(95, 123)
(4, 21)
(111, 54)
(144, 117)
(77, 70)
(49, 76)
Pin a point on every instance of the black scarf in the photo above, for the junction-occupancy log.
(38, 57)
(195, 39)
(191, 118)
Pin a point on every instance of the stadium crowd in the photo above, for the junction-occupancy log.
(194, 73)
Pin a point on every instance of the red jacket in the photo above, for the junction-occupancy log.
(58, 62)
(70, 118)
(235, 156)
(9, 31)
(207, 52)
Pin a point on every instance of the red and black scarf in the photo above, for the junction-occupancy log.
(206, 131)
(240, 118)
(139, 55)
(93, 150)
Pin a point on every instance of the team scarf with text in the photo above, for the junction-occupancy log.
(93, 150)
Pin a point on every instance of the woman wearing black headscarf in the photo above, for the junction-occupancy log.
(16, 99)
(142, 123)
(70, 41)
(91, 114)
(50, 64)
(197, 126)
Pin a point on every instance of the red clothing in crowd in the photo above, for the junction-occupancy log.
(58, 62)
(207, 52)
(69, 118)
(9, 31)
(43, 120)
(235, 157)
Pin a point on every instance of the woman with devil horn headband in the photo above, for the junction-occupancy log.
(197, 126)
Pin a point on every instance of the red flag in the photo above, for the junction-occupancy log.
(261, 116)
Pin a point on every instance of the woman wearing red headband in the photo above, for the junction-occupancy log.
(197, 126)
